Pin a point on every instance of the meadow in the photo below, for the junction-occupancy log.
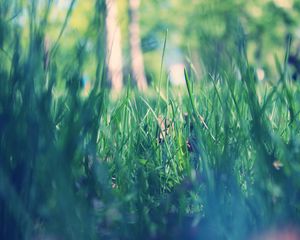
(212, 159)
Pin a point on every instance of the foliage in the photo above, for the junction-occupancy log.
(217, 159)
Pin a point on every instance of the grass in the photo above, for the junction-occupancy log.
(218, 159)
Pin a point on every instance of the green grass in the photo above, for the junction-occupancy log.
(218, 159)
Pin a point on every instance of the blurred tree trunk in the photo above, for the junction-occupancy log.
(137, 62)
(113, 43)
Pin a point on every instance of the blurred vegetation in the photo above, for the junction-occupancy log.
(217, 158)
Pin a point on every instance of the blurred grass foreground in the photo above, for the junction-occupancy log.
(149, 119)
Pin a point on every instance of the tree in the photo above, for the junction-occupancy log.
(114, 49)
(137, 62)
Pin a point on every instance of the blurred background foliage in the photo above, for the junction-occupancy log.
(263, 26)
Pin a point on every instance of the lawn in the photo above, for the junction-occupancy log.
(211, 159)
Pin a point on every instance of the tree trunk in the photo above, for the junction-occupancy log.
(137, 62)
(113, 43)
